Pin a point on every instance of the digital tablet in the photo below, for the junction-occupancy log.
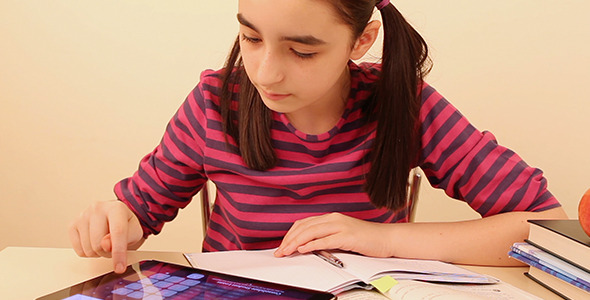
(150, 279)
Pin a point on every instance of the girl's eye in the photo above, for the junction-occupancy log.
(250, 39)
(303, 55)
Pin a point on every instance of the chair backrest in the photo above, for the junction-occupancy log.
(413, 191)
(205, 207)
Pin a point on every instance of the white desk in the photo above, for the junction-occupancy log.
(52, 269)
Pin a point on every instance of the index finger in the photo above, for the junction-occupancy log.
(118, 227)
(299, 234)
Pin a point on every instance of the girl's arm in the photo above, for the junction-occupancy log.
(483, 241)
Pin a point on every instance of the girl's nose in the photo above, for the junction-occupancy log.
(270, 70)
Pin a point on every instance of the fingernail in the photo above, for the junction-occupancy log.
(119, 268)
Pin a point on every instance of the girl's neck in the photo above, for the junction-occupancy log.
(327, 113)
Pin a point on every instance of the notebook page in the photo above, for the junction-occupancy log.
(306, 271)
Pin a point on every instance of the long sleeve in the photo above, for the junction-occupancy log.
(169, 176)
(470, 165)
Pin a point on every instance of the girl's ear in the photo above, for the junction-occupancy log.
(365, 40)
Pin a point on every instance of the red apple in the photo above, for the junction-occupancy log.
(584, 212)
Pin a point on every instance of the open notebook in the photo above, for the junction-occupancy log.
(310, 271)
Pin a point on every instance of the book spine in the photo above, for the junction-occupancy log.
(548, 270)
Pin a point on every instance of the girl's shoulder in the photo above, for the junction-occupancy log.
(365, 72)
(207, 93)
(211, 81)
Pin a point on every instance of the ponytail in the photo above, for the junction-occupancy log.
(396, 104)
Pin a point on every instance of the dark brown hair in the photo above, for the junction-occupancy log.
(395, 104)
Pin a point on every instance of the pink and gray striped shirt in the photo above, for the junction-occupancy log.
(316, 174)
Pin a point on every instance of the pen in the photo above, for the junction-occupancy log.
(329, 257)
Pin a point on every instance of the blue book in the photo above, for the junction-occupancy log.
(565, 277)
(553, 262)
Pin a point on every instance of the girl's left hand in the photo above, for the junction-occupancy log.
(336, 231)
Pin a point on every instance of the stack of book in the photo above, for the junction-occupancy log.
(558, 253)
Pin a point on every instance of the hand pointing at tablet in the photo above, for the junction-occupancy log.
(108, 229)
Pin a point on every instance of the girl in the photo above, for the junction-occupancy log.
(309, 150)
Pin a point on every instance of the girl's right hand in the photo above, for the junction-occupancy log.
(108, 229)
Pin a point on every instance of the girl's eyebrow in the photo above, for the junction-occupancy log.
(246, 23)
(301, 39)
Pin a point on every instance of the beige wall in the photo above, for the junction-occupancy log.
(86, 88)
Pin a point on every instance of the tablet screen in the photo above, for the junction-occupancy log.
(159, 280)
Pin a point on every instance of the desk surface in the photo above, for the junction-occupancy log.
(51, 269)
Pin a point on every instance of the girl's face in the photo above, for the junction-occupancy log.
(295, 52)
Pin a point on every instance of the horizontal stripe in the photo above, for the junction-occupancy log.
(316, 174)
